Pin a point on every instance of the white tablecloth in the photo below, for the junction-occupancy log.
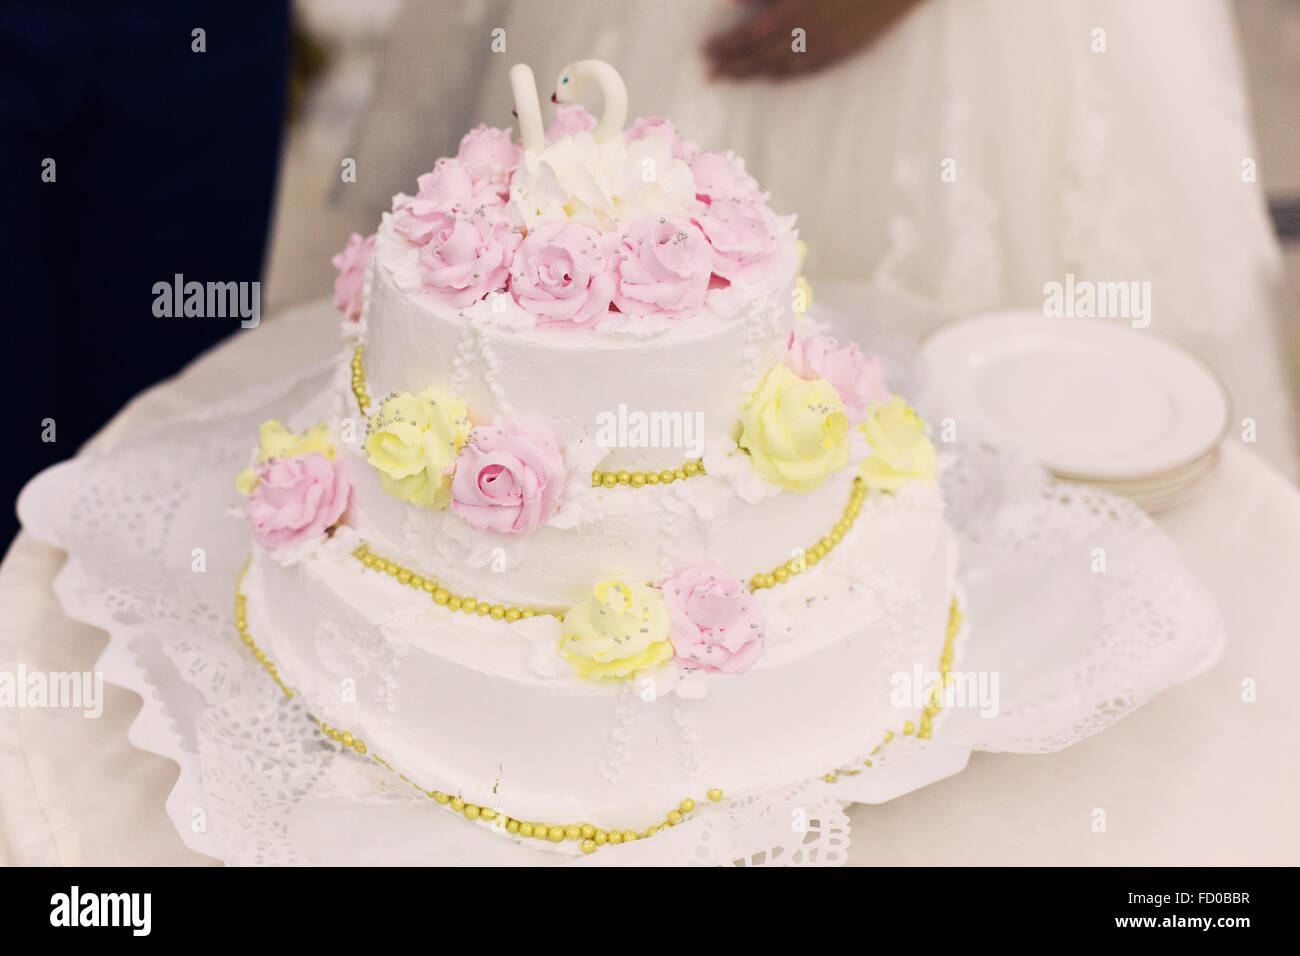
(1198, 776)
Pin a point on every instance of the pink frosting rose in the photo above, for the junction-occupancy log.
(490, 158)
(563, 274)
(662, 266)
(508, 478)
(451, 186)
(664, 129)
(859, 379)
(467, 256)
(296, 499)
(719, 176)
(743, 234)
(569, 120)
(350, 284)
(713, 622)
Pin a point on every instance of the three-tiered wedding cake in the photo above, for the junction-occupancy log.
(596, 527)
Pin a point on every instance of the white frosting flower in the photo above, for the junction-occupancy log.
(649, 179)
(601, 185)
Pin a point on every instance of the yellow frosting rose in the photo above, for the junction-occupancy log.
(619, 630)
(414, 440)
(795, 430)
(277, 441)
(901, 451)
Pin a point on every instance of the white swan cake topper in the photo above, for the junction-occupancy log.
(570, 85)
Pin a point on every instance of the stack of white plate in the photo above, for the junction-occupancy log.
(1092, 400)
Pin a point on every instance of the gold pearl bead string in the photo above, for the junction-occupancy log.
(640, 479)
(511, 614)
(945, 671)
(589, 837)
(930, 710)
(606, 479)
(359, 382)
(443, 597)
(813, 555)
(241, 625)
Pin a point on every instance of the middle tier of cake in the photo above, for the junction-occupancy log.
(634, 534)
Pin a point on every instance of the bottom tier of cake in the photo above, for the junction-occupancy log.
(470, 708)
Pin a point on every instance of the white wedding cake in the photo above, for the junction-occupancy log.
(597, 527)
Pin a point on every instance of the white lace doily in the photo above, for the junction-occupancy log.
(1074, 598)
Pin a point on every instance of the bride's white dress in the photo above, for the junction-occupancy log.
(1110, 139)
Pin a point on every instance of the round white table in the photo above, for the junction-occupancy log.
(1200, 775)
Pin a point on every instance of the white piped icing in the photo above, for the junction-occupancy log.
(688, 733)
(613, 767)
(491, 365)
(463, 364)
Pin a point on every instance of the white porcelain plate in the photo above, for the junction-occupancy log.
(1088, 398)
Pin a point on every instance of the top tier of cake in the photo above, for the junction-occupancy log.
(591, 275)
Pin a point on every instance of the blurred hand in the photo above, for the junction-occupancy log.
(760, 45)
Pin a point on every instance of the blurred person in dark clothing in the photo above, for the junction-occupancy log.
(139, 143)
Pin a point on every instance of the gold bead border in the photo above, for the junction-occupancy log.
(814, 554)
(359, 382)
(639, 479)
(930, 710)
(510, 613)
(606, 479)
(444, 597)
(588, 837)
